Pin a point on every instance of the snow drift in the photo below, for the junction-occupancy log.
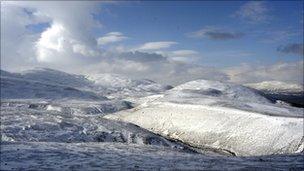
(222, 116)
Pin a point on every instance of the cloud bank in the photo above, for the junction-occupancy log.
(281, 71)
(68, 43)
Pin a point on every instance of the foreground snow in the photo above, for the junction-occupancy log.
(117, 156)
(226, 117)
(72, 121)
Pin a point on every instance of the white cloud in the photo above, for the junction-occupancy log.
(156, 45)
(185, 56)
(16, 40)
(51, 41)
(253, 12)
(162, 71)
(84, 50)
(184, 52)
(111, 37)
(68, 39)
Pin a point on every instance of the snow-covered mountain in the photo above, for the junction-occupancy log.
(45, 84)
(223, 116)
(49, 83)
(15, 88)
(217, 90)
(288, 92)
(223, 94)
(277, 87)
(121, 86)
(51, 112)
(51, 76)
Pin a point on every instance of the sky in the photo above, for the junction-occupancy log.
(166, 41)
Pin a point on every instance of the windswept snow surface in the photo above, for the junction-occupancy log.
(222, 116)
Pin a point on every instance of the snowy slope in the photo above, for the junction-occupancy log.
(51, 76)
(45, 83)
(14, 88)
(8, 74)
(222, 116)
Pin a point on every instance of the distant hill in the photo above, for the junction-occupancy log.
(276, 90)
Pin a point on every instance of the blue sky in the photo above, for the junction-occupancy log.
(172, 20)
(238, 41)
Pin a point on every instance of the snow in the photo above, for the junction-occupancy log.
(222, 116)
(55, 108)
